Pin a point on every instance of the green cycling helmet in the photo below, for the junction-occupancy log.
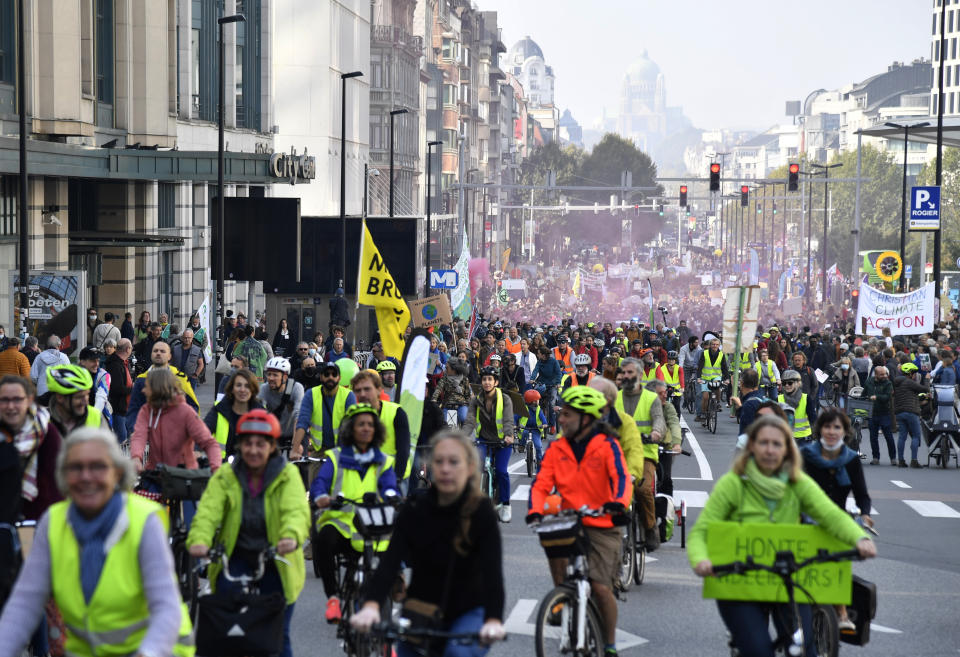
(68, 379)
(359, 409)
(386, 366)
(908, 368)
(585, 400)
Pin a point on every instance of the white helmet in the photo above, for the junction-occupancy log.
(582, 359)
(278, 363)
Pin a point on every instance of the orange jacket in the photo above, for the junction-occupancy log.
(565, 360)
(14, 362)
(600, 477)
(513, 347)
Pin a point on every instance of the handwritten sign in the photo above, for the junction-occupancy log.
(903, 314)
(828, 583)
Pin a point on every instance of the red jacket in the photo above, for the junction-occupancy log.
(600, 477)
(590, 351)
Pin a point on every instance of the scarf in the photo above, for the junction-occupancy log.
(27, 441)
(794, 399)
(770, 488)
(92, 536)
(838, 464)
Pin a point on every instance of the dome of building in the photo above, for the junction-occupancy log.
(643, 70)
(526, 47)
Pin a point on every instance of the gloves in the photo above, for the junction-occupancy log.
(365, 618)
(492, 631)
(614, 508)
(533, 517)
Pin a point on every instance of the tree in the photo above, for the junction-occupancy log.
(949, 209)
(609, 159)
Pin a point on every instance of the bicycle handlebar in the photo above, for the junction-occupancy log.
(784, 564)
(403, 628)
(368, 500)
(219, 552)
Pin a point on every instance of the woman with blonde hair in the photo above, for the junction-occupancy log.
(767, 484)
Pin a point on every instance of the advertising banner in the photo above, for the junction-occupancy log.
(904, 314)
(57, 301)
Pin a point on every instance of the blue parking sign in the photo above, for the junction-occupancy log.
(925, 208)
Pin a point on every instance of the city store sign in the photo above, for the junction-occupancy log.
(293, 167)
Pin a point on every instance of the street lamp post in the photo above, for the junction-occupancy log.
(823, 249)
(903, 192)
(343, 174)
(22, 200)
(393, 113)
(809, 218)
(430, 145)
(221, 252)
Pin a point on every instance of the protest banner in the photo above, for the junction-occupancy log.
(904, 314)
(827, 583)
(376, 287)
(431, 311)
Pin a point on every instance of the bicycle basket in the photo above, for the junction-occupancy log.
(562, 536)
(666, 513)
(374, 521)
(859, 407)
(182, 483)
(240, 624)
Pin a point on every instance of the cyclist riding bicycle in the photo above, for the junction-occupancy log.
(533, 421)
(672, 374)
(712, 367)
(69, 389)
(587, 467)
(766, 484)
(582, 374)
(490, 418)
(351, 470)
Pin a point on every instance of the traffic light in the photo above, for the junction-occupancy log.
(793, 177)
(715, 177)
(683, 196)
(744, 196)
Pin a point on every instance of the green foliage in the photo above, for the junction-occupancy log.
(949, 210)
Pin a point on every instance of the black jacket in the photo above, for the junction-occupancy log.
(119, 390)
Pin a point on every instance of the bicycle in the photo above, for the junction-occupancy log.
(860, 411)
(568, 620)
(790, 640)
(523, 445)
(391, 633)
(633, 553)
(488, 476)
(373, 520)
(176, 486)
(669, 505)
(691, 393)
(713, 405)
(303, 465)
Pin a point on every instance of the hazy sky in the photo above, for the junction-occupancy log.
(727, 63)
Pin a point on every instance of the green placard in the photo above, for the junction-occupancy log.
(828, 583)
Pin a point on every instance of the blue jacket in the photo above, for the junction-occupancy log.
(321, 485)
(306, 414)
(547, 372)
(748, 409)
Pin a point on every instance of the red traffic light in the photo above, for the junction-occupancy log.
(715, 167)
(744, 189)
(855, 293)
(683, 189)
(794, 168)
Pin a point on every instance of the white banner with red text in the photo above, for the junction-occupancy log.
(904, 314)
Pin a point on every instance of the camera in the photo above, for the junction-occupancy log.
(663, 309)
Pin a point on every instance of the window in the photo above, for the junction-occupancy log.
(8, 40)
(447, 49)
(450, 139)
(449, 94)
(165, 279)
(465, 93)
(103, 56)
(8, 205)
(248, 65)
(482, 110)
(204, 46)
(447, 180)
(166, 205)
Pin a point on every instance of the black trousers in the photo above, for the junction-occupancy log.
(329, 544)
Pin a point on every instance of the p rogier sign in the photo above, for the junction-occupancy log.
(904, 314)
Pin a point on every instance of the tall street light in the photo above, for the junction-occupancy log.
(22, 200)
(393, 113)
(903, 192)
(221, 266)
(343, 174)
(826, 184)
(430, 145)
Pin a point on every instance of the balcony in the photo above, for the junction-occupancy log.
(396, 36)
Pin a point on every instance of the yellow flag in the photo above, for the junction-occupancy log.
(576, 283)
(377, 288)
(506, 261)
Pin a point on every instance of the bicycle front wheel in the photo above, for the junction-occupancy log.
(529, 456)
(556, 626)
(826, 633)
(627, 560)
(712, 420)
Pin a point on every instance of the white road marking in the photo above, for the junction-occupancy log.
(876, 627)
(706, 474)
(517, 623)
(521, 493)
(517, 467)
(853, 508)
(900, 484)
(932, 509)
(693, 498)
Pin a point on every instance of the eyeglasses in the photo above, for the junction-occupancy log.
(12, 400)
(96, 469)
(301, 349)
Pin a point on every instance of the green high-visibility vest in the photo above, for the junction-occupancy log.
(641, 416)
(712, 371)
(801, 423)
(499, 415)
(347, 482)
(316, 420)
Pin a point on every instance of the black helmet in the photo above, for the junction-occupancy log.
(490, 371)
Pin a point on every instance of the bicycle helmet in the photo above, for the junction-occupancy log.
(908, 368)
(494, 357)
(531, 397)
(359, 409)
(258, 422)
(582, 359)
(585, 400)
(598, 343)
(279, 364)
(386, 366)
(68, 379)
(490, 371)
(672, 355)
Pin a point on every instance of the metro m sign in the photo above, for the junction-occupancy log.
(444, 279)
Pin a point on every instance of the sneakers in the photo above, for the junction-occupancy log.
(506, 513)
(875, 462)
(914, 463)
(652, 538)
(901, 463)
(846, 626)
(610, 652)
(333, 614)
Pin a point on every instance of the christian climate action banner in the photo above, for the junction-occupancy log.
(903, 314)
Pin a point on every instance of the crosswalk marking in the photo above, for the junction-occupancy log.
(522, 492)
(517, 622)
(693, 498)
(932, 509)
(876, 627)
(900, 484)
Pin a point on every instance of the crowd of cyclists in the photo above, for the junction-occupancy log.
(295, 440)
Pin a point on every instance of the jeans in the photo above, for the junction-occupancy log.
(908, 422)
(501, 460)
(749, 623)
(471, 621)
(462, 414)
(269, 584)
(550, 400)
(876, 424)
(120, 428)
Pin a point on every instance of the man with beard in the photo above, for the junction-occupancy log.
(282, 396)
(69, 399)
(396, 441)
(388, 377)
(649, 365)
(645, 408)
(320, 415)
(308, 375)
(159, 358)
